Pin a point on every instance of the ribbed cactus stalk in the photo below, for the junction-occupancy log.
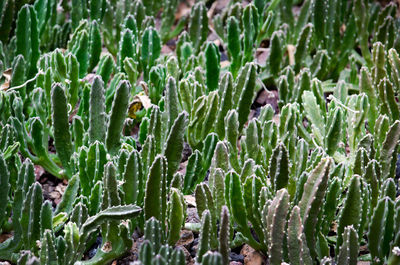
(97, 113)
(155, 196)
(153, 233)
(168, 19)
(388, 148)
(171, 101)
(348, 252)
(212, 66)
(245, 89)
(150, 50)
(204, 201)
(174, 145)
(48, 254)
(302, 46)
(275, 58)
(95, 44)
(95, 7)
(202, 118)
(30, 217)
(126, 47)
(381, 230)
(175, 216)
(276, 221)
(27, 38)
(212, 258)
(198, 25)
(311, 201)
(234, 45)
(351, 211)
(297, 249)
(224, 235)
(279, 167)
(117, 117)
(361, 18)
(7, 16)
(4, 190)
(225, 92)
(81, 51)
(105, 67)
(250, 30)
(133, 185)
(205, 236)
(62, 136)
(19, 72)
(70, 194)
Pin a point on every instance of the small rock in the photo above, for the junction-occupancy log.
(236, 257)
(4, 237)
(192, 216)
(166, 49)
(190, 200)
(235, 263)
(188, 257)
(55, 195)
(39, 171)
(262, 56)
(195, 246)
(251, 256)
(186, 238)
(265, 97)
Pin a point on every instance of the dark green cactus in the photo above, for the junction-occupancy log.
(212, 66)
(150, 50)
(198, 25)
(27, 38)
(62, 136)
(349, 249)
(117, 117)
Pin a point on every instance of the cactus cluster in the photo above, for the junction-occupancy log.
(278, 120)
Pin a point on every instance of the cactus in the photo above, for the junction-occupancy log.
(150, 50)
(94, 45)
(117, 117)
(380, 230)
(62, 136)
(30, 216)
(168, 19)
(297, 250)
(174, 145)
(27, 38)
(154, 200)
(279, 166)
(349, 249)
(97, 111)
(126, 48)
(245, 87)
(278, 177)
(198, 25)
(351, 211)
(5, 187)
(311, 200)
(212, 66)
(276, 220)
(105, 67)
(176, 216)
(234, 45)
(204, 241)
(302, 46)
(212, 258)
